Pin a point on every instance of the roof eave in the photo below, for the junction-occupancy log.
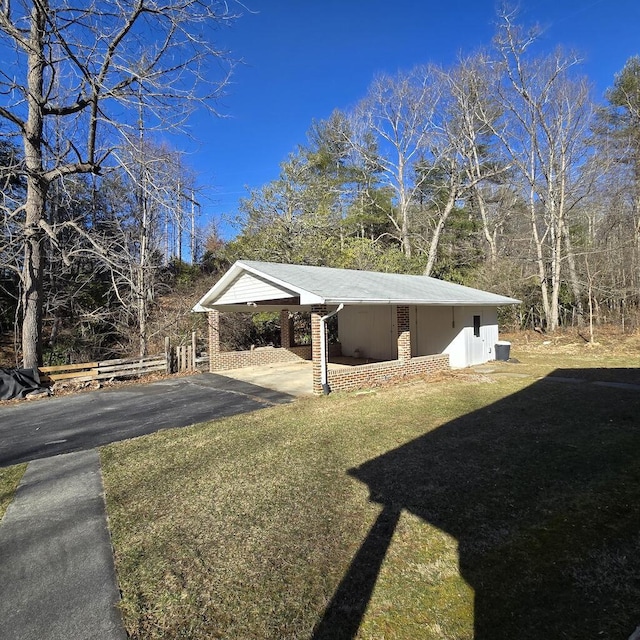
(423, 303)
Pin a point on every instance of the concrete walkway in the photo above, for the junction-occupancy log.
(57, 578)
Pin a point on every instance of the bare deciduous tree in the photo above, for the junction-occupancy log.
(478, 114)
(399, 112)
(549, 114)
(430, 127)
(76, 72)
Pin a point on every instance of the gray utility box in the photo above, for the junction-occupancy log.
(503, 349)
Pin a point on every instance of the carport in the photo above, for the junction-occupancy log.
(393, 325)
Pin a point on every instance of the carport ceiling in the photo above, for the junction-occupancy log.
(273, 286)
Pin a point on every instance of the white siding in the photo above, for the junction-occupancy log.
(450, 330)
(432, 329)
(370, 330)
(249, 288)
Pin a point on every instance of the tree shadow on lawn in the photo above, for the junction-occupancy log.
(542, 492)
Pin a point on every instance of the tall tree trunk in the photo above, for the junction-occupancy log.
(556, 278)
(573, 275)
(142, 323)
(33, 267)
(489, 235)
(404, 203)
(32, 271)
(542, 274)
(406, 238)
(437, 232)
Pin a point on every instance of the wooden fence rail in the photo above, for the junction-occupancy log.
(121, 368)
(174, 360)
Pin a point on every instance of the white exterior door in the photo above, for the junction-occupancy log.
(476, 339)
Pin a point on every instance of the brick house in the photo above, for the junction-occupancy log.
(390, 326)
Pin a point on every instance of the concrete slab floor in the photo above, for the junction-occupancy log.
(294, 378)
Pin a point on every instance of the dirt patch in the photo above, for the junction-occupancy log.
(607, 341)
(7, 351)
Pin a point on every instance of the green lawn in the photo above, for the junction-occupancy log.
(482, 506)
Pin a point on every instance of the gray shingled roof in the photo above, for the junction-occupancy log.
(325, 285)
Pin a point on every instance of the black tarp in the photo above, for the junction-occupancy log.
(19, 383)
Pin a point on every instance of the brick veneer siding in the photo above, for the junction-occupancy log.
(379, 373)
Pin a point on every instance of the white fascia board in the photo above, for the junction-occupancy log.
(243, 308)
(419, 303)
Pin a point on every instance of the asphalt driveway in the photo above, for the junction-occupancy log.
(51, 426)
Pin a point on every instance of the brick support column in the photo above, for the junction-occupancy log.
(404, 333)
(213, 321)
(317, 312)
(286, 333)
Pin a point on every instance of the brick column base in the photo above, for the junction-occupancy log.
(213, 321)
(404, 333)
(317, 312)
(286, 333)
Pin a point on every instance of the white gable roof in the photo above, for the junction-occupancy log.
(259, 283)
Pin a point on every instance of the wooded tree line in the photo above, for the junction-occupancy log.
(94, 209)
(500, 172)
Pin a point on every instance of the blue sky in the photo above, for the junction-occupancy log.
(304, 58)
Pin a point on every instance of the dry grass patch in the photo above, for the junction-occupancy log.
(449, 509)
(9, 480)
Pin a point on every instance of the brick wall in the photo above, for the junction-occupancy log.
(347, 379)
(222, 360)
(378, 373)
(261, 356)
